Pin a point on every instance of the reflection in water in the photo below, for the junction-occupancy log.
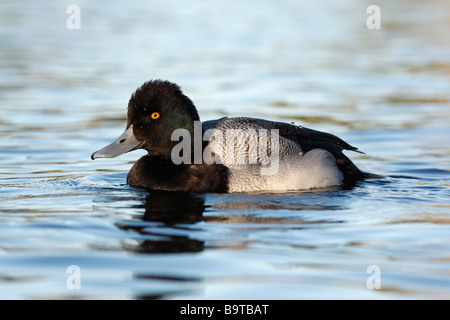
(165, 210)
(188, 282)
(173, 208)
(174, 223)
(170, 219)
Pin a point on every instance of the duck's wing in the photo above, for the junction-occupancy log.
(307, 139)
(310, 139)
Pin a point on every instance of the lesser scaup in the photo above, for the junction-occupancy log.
(300, 158)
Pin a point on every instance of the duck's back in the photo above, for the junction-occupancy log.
(268, 155)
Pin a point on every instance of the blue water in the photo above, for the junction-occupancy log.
(63, 95)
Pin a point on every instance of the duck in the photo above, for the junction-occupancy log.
(226, 155)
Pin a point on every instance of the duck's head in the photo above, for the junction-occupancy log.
(155, 110)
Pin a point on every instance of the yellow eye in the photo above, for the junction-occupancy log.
(155, 115)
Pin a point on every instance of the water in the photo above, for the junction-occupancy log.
(63, 95)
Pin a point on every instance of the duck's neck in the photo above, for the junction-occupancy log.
(160, 173)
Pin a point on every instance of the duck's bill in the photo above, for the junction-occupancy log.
(125, 143)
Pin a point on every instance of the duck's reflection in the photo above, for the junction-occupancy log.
(161, 228)
(174, 223)
(168, 222)
(174, 208)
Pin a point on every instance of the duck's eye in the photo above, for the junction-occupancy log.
(155, 115)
